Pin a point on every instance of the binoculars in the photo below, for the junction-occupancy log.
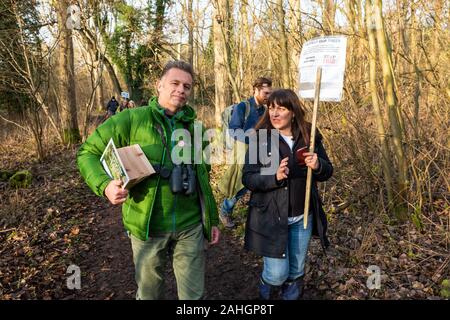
(182, 179)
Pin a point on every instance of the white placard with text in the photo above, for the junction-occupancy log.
(328, 53)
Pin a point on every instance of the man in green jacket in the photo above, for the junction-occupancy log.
(158, 219)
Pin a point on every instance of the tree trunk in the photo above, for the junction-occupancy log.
(66, 72)
(393, 112)
(402, 37)
(190, 22)
(248, 56)
(358, 72)
(284, 54)
(240, 44)
(129, 66)
(92, 45)
(157, 36)
(226, 31)
(329, 12)
(296, 42)
(351, 14)
(222, 92)
(100, 93)
(415, 68)
(376, 106)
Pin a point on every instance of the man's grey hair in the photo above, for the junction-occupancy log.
(178, 64)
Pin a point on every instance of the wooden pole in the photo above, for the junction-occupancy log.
(311, 145)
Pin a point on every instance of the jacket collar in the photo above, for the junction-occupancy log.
(185, 114)
(253, 103)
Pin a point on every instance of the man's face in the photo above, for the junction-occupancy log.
(174, 89)
(262, 94)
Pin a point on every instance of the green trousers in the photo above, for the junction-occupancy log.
(150, 257)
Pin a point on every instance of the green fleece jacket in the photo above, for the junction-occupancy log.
(151, 206)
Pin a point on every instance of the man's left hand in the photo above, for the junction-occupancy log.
(215, 235)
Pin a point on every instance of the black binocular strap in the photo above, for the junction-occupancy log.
(163, 137)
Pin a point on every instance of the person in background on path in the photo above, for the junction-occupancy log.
(112, 106)
(124, 104)
(262, 87)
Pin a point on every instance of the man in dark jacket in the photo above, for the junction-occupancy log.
(262, 87)
(112, 106)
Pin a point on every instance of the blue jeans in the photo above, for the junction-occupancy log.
(277, 271)
(228, 204)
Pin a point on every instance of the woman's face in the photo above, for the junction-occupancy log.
(280, 117)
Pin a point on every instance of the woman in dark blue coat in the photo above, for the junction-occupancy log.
(274, 227)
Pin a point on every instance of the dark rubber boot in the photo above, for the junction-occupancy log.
(292, 290)
(265, 290)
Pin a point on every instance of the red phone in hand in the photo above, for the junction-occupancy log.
(300, 157)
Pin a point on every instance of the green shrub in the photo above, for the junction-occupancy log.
(445, 289)
(21, 179)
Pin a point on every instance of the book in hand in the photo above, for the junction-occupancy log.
(128, 164)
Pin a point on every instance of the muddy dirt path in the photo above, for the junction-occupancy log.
(108, 270)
